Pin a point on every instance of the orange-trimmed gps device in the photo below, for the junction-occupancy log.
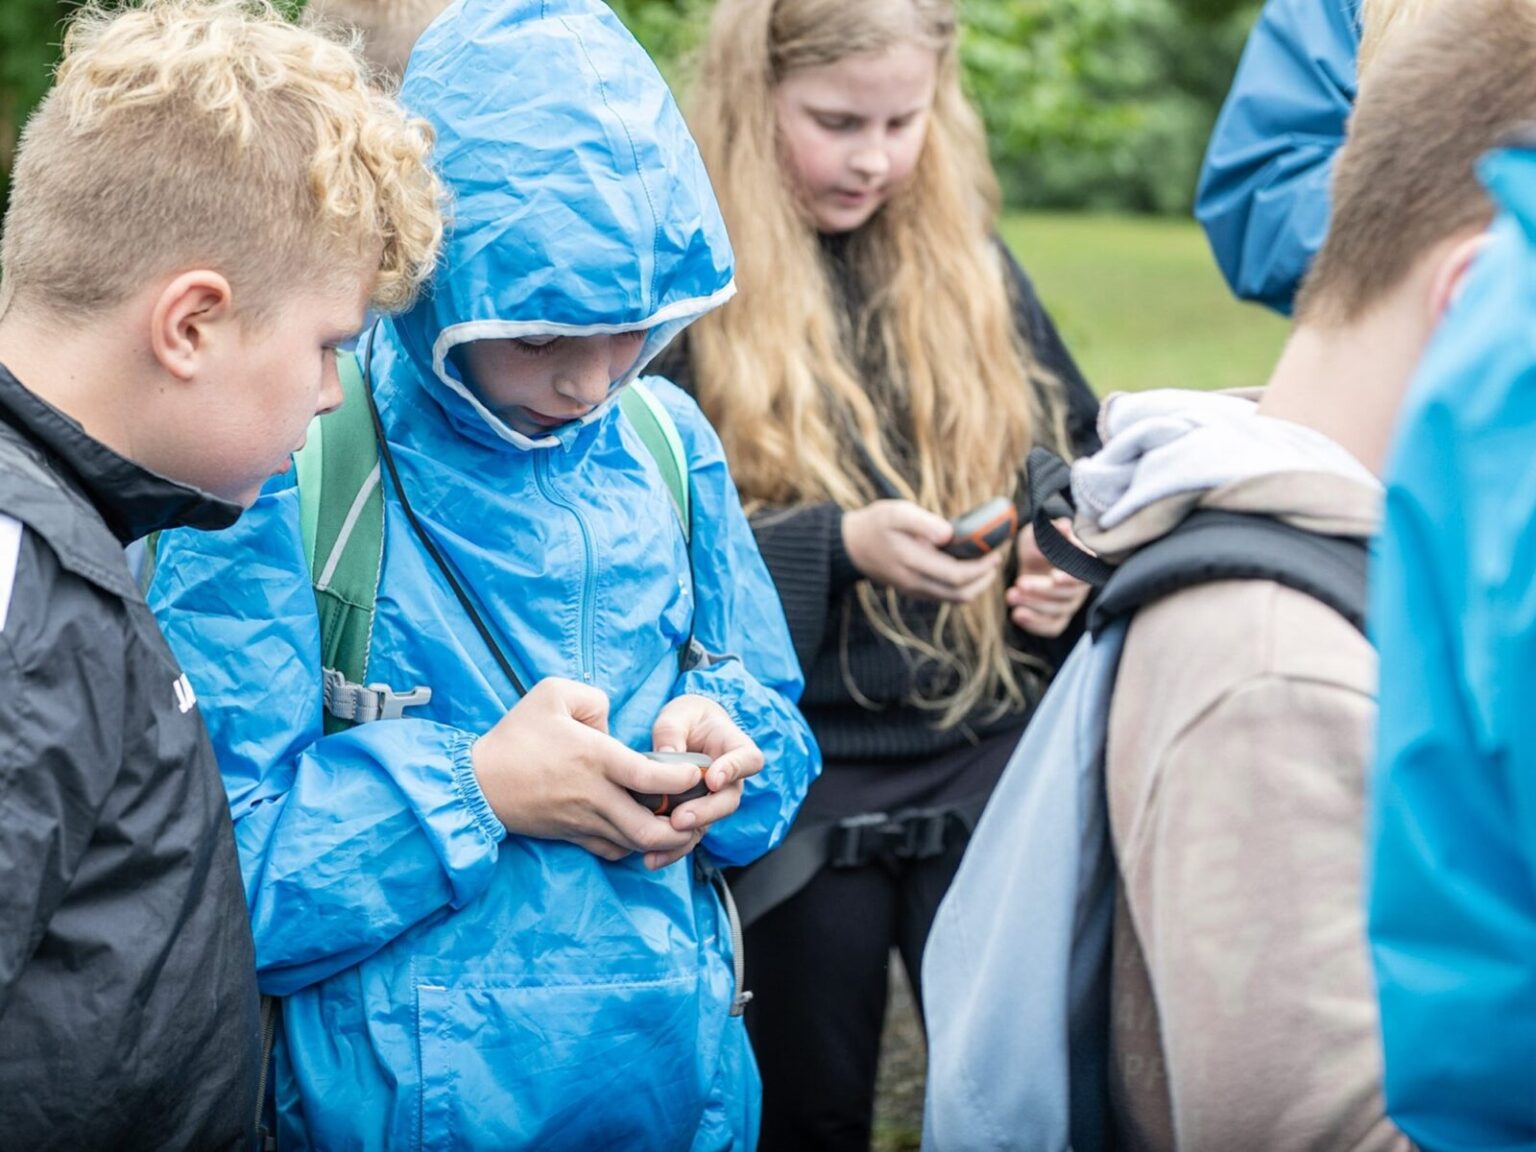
(984, 529)
(663, 805)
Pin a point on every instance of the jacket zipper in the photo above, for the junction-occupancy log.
(586, 657)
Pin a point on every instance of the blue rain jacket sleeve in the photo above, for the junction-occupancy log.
(739, 621)
(1263, 196)
(1453, 891)
(345, 841)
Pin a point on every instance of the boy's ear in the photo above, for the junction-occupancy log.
(1450, 274)
(185, 316)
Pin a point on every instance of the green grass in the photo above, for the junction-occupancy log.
(1141, 304)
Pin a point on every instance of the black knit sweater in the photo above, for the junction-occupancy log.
(859, 684)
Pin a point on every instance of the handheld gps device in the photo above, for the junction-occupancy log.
(660, 804)
(983, 529)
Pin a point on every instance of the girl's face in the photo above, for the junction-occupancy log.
(852, 131)
(537, 384)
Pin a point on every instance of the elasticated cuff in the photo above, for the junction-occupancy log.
(468, 785)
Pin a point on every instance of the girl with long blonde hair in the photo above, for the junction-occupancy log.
(885, 368)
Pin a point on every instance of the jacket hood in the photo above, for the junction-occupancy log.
(1167, 453)
(580, 204)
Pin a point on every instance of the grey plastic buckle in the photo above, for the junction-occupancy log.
(392, 704)
(364, 704)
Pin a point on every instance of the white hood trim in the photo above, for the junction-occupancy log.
(663, 324)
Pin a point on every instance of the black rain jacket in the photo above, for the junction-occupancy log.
(128, 1003)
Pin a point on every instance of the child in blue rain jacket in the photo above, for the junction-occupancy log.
(480, 941)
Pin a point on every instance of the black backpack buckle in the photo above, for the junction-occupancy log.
(915, 834)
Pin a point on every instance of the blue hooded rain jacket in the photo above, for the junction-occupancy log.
(1263, 196)
(1453, 891)
(446, 984)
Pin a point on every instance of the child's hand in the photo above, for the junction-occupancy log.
(549, 769)
(698, 724)
(895, 542)
(1043, 599)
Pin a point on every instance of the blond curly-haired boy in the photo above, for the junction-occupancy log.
(204, 205)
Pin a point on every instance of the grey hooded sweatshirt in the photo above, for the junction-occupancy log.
(1239, 738)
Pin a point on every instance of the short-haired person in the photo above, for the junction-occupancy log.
(1239, 715)
(1263, 195)
(203, 206)
(1240, 729)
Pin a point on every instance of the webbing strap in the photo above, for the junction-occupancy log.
(1210, 545)
(1050, 487)
(269, 1013)
(657, 431)
(147, 565)
(341, 513)
(851, 842)
(707, 871)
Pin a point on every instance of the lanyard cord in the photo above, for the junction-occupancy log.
(421, 533)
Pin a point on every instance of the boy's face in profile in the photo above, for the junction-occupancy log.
(262, 385)
(537, 383)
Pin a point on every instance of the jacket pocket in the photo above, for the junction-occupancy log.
(559, 1067)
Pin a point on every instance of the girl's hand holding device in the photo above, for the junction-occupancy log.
(897, 543)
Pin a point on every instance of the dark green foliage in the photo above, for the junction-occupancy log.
(30, 31)
(1090, 103)
(1099, 103)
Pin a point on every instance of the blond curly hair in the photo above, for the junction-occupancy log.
(213, 133)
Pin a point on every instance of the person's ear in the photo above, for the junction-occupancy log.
(1450, 274)
(188, 315)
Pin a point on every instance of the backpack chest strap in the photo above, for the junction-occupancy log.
(365, 703)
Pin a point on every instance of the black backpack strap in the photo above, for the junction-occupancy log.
(1050, 496)
(1210, 546)
(851, 842)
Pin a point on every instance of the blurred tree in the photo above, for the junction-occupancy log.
(670, 30)
(1100, 103)
(29, 37)
(1089, 103)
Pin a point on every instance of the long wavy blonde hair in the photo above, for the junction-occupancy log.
(778, 370)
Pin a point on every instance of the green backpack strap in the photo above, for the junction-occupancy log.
(658, 432)
(341, 515)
